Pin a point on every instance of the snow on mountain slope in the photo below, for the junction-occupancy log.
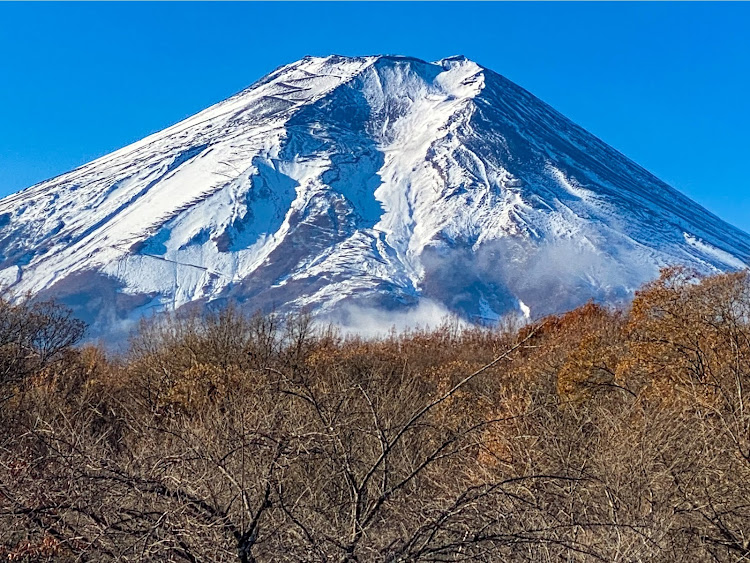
(374, 181)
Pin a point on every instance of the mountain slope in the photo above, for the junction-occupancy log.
(376, 181)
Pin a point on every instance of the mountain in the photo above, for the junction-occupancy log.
(350, 185)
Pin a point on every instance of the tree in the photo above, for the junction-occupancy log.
(33, 335)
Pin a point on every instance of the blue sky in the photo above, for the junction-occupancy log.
(668, 84)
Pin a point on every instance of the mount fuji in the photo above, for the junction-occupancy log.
(339, 185)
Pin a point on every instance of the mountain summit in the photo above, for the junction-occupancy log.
(376, 182)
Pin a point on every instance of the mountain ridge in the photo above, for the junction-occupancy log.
(338, 181)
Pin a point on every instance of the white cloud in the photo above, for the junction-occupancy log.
(372, 322)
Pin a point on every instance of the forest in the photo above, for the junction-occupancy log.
(600, 434)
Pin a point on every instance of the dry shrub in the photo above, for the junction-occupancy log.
(596, 435)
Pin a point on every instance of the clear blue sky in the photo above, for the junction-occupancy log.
(668, 84)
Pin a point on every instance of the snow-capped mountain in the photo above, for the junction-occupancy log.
(375, 182)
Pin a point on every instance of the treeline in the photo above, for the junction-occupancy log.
(597, 435)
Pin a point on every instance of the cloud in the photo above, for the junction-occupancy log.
(372, 322)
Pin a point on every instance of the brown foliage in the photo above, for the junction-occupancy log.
(596, 435)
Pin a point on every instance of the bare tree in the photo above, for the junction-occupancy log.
(593, 436)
